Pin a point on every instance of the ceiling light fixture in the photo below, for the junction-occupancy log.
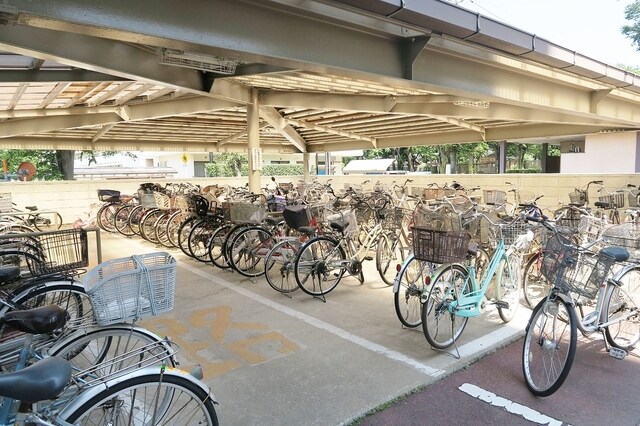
(473, 104)
(197, 61)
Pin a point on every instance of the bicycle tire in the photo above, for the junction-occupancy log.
(123, 220)
(199, 238)
(546, 362)
(148, 225)
(178, 399)
(507, 287)
(216, 246)
(106, 216)
(441, 327)
(183, 234)
(623, 301)
(173, 227)
(161, 230)
(44, 224)
(279, 266)
(412, 285)
(320, 261)
(249, 249)
(389, 252)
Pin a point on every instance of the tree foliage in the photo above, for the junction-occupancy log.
(46, 162)
(632, 30)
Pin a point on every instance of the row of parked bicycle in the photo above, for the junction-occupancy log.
(70, 349)
(447, 255)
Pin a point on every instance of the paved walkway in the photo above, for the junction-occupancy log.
(270, 359)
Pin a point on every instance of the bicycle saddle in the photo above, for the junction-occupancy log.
(46, 379)
(31, 208)
(308, 230)
(9, 273)
(620, 254)
(602, 204)
(40, 320)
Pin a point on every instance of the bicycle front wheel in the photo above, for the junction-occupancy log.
(621, 304)
(412, 287)
(549, 345)
(279, 265)
(47, 221)
(248, 251)
(148, 399)
(319, 266)
(441, 326)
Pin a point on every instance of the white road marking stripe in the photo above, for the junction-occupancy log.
(512, 407)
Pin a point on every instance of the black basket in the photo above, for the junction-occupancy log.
(296, 216)
(108, 195)
(58, 251)
(573, 269)
(435, 246)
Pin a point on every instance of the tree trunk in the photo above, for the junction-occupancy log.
(65, 163)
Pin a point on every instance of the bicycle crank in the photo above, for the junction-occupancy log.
(354, 267)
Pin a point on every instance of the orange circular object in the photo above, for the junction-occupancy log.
(26, 171)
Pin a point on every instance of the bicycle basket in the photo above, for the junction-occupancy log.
(572, 269)
(133, 287)
(590, 228)
(494, 196)
(57, 251)
(162, 200)
(436, 246)
(626, 235)
(147, 200)
(6, 205)
(392, 218)
(442, 221)
(347, 219)
(614, 200)
(632, 198)
(578, 197)
(435, 193)
(296, 216)
(511, 231)
(247, 212)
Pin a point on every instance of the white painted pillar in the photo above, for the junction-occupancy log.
(305, 165)
(253, 136)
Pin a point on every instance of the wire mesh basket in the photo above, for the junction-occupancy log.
(147, 200)
(526, 197)
(435, 246)
(441, 219)
(626, 235)
(570, 218)
(240, 212)
(574, 270)
(132, 287)
(185, 203)
(346, 219)
(435, 193)
(6, 205)
(494, 196)
(391, 218)
(511, 231)
(614, 200)
(579, 197)
(590, 228)
(57, 251)
(632, 198)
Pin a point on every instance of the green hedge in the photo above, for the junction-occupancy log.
(524, 171)
(225, 170)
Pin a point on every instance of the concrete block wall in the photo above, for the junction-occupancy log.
(73, 198)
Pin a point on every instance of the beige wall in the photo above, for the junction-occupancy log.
(72, 198)
(605, 153)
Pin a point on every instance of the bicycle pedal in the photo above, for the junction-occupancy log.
(368, 258)
(502, 304)
(618, 353)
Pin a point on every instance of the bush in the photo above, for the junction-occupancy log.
(524, 171)
(282, 169)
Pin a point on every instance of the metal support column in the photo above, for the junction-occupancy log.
(543, 157)
(502, 158)
(305, 165)
(253, 137)
(327, 163)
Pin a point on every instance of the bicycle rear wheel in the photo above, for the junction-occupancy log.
(507, 287)
(122, 222)
(319, 266)
(47, 221)
(549, 345)
(389, 254)
(148, 399)
(621, 304)
(442, 327)
(534, 285)
(412, 287)
(249, 249)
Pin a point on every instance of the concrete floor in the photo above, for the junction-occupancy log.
(270, 359)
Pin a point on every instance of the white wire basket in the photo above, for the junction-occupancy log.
(247, 212)
(130, 288)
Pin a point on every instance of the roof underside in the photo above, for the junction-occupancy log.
(327, 76)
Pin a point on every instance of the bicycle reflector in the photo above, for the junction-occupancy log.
(398, 267)
(427, 280)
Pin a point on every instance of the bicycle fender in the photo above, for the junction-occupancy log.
(94, 390)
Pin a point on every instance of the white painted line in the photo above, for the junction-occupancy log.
(352, 338)
(516, 325)
(510, 406)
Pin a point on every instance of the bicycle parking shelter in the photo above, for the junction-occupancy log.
(277, 76)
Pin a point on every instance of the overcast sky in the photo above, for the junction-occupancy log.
(590, 27)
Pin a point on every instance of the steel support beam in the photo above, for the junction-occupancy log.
(273, 117)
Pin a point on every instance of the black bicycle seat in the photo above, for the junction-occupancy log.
(46, 379)
(44, 319)
(9, 273)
